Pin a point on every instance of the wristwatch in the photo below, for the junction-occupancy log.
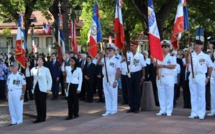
(208, 77)
(115, 81)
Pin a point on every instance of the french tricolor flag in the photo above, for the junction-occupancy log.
(178, 25)
(118, 26)
(19, 49)
(95, 32)
(154, 36)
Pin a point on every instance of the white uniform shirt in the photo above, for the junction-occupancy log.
(123, 68)
(147, 61)
(136, 61)
(16, 81)
(201, 62)
(112, 65)
(213, 72)
(75, 78)
(177, 71)
(168, 60)
(27, 72)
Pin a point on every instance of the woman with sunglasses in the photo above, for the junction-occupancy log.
(74, 83)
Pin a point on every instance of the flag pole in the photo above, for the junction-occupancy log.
(106, 73)
(59, 25)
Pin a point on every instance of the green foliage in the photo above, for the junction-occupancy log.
(6, 32)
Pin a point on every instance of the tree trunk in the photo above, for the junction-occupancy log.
(54, 9)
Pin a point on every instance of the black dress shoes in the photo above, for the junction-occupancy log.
(68, 118)
(130, 111)
(76, 116)
(11, 124)
(36, 121)
(136, 111)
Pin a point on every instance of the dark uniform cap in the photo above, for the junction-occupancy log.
(199, 42)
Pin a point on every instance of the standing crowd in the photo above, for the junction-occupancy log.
(80, 76)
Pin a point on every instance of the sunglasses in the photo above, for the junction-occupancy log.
(165, 46)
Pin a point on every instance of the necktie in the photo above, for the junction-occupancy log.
(82, 65)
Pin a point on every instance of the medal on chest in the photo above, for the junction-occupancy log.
(136, 62)
(201, 61)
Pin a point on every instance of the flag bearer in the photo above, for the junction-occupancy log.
(165, 80)
(137, 72)
(111, 72)
(201, 62)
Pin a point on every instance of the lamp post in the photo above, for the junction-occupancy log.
(74, 14)
(32, 38)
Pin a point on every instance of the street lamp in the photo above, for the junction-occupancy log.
(32, 37)
(75, 13)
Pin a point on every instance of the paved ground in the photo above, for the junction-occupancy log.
(91, 122)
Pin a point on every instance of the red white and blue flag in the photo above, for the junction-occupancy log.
(20, 45)
(46, 28)
(61, 40)
(95, 32)
(181, 23)
(118, 26)
(154, 36)
(73, 36)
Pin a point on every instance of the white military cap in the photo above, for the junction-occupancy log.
(166, 42)
(111, 46)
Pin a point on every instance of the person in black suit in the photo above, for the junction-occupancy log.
(55, 73)
(99, 81)
(152, 77)
(29, 79)
(82, 66)
(88, 72)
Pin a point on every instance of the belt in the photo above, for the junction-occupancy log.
(135, 72)
(166, 75)
(14, 89)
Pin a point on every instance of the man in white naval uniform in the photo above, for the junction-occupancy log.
(165, 80)
(16, 89)
(212, 80)
(111, 72)
(197, 80)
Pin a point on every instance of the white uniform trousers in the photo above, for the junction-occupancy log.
(110, 95)
(15, 106)
(197, 94)
(212, 91)
(166, 93)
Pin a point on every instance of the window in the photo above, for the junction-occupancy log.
(36, 42)
(9, 41)
(49, 41)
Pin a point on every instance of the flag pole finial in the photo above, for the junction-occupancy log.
(59, 7)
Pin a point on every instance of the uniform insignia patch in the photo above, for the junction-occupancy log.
(201, 61)
(111, 64)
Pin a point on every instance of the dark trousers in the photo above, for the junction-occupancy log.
(134, 90)
(89, 89)
(28, 91)
(55, 88)
(2, 89)
(208, 96)
(83, 91)
(155, 92)
(124, 89)
(62, 84)
(175, 94)
(186, 94)
(100, 89)
(72, 100)
(40, 101)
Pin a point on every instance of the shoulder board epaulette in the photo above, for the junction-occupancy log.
(128, 51)
(21, 73)
(117, 58)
